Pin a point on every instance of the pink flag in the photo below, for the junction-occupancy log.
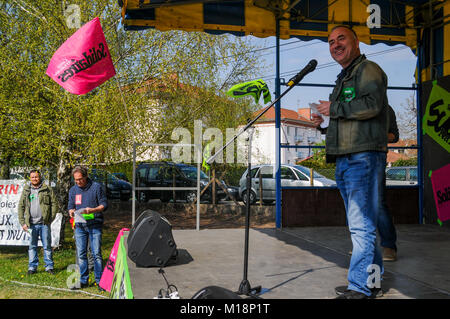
(440, 181)
(108, 272)
(83, 62)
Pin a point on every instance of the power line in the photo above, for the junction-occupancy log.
(333, 63)
(272, 47)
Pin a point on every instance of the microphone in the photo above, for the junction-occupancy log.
(311, 66)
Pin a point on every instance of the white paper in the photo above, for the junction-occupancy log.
(78, 217)
(326, 119)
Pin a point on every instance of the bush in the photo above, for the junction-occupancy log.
(406, 162)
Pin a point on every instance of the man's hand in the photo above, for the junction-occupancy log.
(324, 107)
(25, 227)
(71, 212)
(88, 213)
(317, 119)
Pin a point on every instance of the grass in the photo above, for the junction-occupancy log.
(16, 283)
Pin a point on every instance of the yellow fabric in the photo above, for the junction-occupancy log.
(447, 38)
(260, 22)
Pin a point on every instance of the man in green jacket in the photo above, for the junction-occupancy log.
(356, 139)
(36, 211)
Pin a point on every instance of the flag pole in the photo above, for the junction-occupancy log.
(123, 101)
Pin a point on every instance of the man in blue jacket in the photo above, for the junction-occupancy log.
(87, 202)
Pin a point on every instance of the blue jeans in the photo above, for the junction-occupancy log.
(359, 177)
(386, 227)
(42, 231)
(93, 233)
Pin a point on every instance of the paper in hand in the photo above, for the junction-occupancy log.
(326, 119)
(78, 216)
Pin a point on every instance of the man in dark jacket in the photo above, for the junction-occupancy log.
(386, 228)
(87, 202)
(357, 141)
(36, 211)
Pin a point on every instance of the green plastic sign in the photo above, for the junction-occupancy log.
(436, 120)
(121, 284)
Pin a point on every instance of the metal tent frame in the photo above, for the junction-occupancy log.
(305, 19)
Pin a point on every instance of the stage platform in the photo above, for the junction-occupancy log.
(297, 263)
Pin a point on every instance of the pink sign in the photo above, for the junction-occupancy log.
(108, 272)
(83, 62)
(440, 180)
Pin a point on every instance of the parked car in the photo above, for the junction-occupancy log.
(165, 174)
(16, 176)
(291, 175)
(114, 187)
(401, 175)
(121, 176)
(234, 191)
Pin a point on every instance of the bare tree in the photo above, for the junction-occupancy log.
(407, 119)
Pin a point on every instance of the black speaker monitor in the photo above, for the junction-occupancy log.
(215, 292)
(150, 241)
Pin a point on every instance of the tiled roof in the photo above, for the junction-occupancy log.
(286, 114)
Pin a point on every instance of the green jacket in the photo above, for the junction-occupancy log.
(358, 111)
(47, 201)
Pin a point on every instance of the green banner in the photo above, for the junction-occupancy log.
(436, 120)
(253, 88)
(121, 284)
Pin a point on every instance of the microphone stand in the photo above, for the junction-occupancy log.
(245, 287)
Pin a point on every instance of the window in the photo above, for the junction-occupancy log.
(306, 171)
(191, 172)
(254, 171)
(141, 173)
(413, 174)
(171, 172)
(302, 176)
(267, 172)
(287, 173)
(397, 174)
(153, 172)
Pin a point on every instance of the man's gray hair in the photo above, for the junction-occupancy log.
(80, 169)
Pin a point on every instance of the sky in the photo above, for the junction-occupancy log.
(398, 62)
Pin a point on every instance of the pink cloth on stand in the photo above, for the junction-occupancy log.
(108, 272)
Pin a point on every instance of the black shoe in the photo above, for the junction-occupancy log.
(50, 271)
(340, 290)
(351, 294)
(376, 292)
(31, 272)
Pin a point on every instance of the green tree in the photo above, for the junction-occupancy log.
(318, 162)
(46, 126)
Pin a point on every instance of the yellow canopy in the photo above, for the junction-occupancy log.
(399, 21)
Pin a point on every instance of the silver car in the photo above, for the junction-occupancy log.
(291, 175)
(401, 175)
